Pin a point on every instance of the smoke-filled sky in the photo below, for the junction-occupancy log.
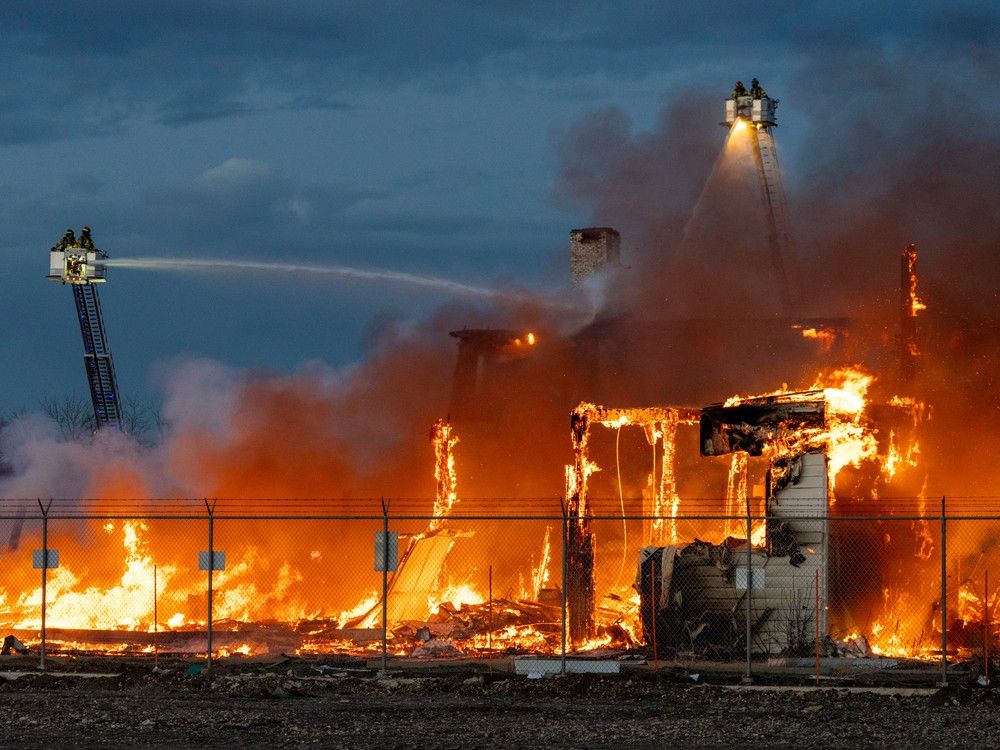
(454, 139)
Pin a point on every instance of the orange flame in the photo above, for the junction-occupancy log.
(446, 494)
(825, 337)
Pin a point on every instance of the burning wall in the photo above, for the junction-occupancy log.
(693, 594)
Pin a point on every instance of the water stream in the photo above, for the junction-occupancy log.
(348, 273)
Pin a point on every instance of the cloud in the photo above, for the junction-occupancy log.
(185, 111)
(117, 63)
(194, 106)
(301, 209)
(235, 175)
(313, 100)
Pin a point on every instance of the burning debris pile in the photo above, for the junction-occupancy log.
(498, 626)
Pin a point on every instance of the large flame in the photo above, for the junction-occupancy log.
(261, 586)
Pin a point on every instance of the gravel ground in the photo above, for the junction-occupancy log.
(301, 707)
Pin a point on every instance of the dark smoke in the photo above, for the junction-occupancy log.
(895, 152)
(901, 147)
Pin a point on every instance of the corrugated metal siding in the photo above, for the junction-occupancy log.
(703, 582)
(784, 608)
(804, 505)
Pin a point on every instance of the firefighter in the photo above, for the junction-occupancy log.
(739, 89)
(85, 240)
(756, 91)
(68, 240)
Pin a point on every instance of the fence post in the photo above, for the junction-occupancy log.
(45, 576)
(385, 581)
(210, 507)
(654, 609)
(987, 626)
(944, 594)
(816, 618)
(156, 627)
(489, 632)
(565, 535)
(748, 677)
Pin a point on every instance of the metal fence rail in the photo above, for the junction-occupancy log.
(218, 577)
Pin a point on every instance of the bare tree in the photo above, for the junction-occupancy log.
(142, 420)
(799, 620)
(73, 415)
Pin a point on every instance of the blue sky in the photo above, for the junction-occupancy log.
(428, 137)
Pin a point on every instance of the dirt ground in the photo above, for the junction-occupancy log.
(299, 704)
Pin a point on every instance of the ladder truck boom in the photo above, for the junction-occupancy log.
(83, 269)
(759, 113)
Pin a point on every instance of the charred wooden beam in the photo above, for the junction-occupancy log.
(580, 587)
(579, 539)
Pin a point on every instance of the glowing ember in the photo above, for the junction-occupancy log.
(518, 637)
(592, 644)
(244, 649)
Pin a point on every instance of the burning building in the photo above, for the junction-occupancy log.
(669, 485)
(770, 585)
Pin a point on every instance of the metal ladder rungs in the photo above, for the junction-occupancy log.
(97, 359)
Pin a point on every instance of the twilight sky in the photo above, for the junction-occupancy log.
(425, 136)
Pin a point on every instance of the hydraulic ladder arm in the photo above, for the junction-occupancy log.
(97, 358)
(779, 228)
(83, 268)
(758, 112)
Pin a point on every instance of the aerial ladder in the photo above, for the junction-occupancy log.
(757, 111)
(83, 269)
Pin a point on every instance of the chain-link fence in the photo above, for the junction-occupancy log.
(225, 578)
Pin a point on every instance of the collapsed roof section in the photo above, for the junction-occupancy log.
(752, 424)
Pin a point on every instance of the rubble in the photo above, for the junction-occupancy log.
(11, 644)
(436, 649)
(453, 631)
